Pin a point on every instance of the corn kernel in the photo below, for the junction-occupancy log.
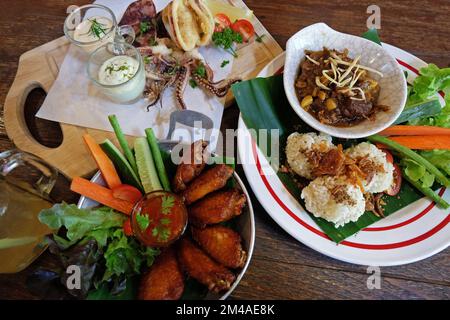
(322, 95)
(315, 91)
(306, 101)
(331, 104)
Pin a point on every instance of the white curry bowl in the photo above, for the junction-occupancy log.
(393, 90)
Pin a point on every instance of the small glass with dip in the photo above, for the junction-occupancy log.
(159, 219)
(93, 25)
(117, 69)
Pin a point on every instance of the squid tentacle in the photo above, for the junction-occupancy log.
(204, 83)
(181, 83)
(223, 89)
(220, 89)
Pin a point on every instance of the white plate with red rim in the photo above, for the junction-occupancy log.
(415, 232)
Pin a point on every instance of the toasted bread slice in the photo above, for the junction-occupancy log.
(205, 21)
(189, 23)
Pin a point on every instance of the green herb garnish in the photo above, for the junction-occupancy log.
(97, 28)
(172, 70)
(193, 84)
(167, 202)
(143, 221)
(224, 63)
(200, 70)
(165, 221)
(111, 68)
(226, 39)
(162, 233)
(146, 59)
(144, 27)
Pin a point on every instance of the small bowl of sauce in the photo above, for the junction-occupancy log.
(90, 26)
(159, 219)
(117, 69)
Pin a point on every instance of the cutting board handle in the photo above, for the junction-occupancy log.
(37, 69)
(15, 123)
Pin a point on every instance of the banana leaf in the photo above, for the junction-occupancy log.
(264, 105)
(372, 35)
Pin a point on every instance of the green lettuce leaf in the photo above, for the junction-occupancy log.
(417, 172)
(431, 81)
(81, 223)
(125, 256)
(116, 257)
(440, 158)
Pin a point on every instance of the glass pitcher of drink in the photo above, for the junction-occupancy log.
(25, 186)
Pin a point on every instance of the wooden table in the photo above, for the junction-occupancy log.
(281, 268)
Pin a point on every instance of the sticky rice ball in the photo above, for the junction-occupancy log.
(298, 145)
(334, 199)
(372, 162)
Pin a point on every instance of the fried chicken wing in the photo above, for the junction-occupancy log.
(191, 166)
(209, 181)
(222, 244)
(217, 207)
(202, 268)
(164, 280)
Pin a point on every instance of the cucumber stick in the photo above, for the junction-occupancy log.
(126, 172)
(123, 142)
(420, 110)
(159, 163)
(146, 166)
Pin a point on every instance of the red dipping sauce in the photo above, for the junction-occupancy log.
(159, 219)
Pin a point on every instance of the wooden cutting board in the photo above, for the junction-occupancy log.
(39, 68)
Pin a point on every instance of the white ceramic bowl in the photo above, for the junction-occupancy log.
(393, 84)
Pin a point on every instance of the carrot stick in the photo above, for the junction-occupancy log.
(403, 130)
(421, 142)
(105, 165)
(100, 194)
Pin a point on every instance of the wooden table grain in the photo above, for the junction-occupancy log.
(281, 268)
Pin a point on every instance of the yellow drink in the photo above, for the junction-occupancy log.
(21, 233)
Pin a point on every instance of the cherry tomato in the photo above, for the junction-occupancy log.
(222, 21)
(127, 193)
(389, 157)
(245, 28)
(127, 228)
(397, 183)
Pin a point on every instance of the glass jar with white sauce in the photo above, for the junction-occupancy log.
(93, 25)
(118, 70)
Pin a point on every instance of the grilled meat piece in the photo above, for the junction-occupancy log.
(190, 167)
(330, 163)
(202, 268)
(217, 207)
(222, 244)
(141, 11)
(209, 181)
(164, 280)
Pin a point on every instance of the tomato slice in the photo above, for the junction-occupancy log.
(222, 21)
(397, 183)
(245, 28)
(127, 228)
(127, 193)
(389, 157)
